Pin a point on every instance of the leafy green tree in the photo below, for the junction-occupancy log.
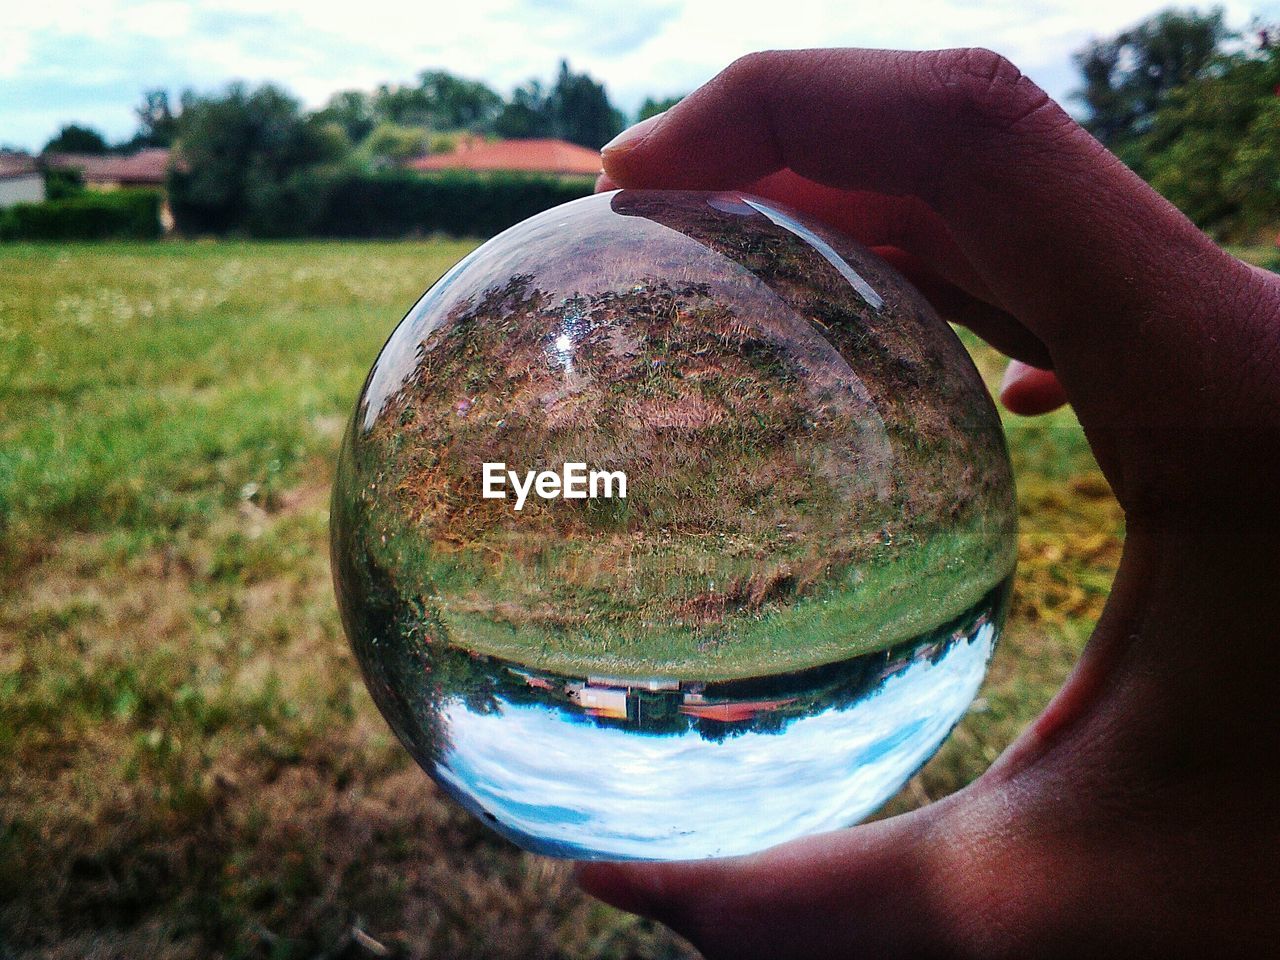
(652, 107)
(1212, 147)
(74, 138)
(1252, 181)
(157, 123)
(62, 182)
(240, 154)
(580, 110)
(526, 115)
(576, 109)
(1127, 78)
(439, 101)
(389, 144)
(458, 104)
(353, 111)
(403, 105)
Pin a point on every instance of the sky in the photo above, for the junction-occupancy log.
(88, 61)
(588, 787)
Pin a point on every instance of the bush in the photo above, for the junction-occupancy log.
(117, 215)
(62, 182)
(401, 203)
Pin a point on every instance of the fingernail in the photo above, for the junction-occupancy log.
(1029, 391)
(1014, 372)
(629, 137)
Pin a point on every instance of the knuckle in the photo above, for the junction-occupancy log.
(981, 85)
(751, 69)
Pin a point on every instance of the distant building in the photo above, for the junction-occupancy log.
(553, 157)
(146, 168)
(600, 701)
(21, 180)
(731, 712)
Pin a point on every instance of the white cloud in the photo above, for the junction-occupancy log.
(89, 60)
(553, 776)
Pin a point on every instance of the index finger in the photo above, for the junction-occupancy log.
(1151, 328)
(1029, 195)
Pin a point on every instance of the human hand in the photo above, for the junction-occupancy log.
(1135, 816)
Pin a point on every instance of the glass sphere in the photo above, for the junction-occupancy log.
(669, 525)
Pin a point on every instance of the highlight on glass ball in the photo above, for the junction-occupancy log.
(670, 525)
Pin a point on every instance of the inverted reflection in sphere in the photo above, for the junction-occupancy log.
(669, 525)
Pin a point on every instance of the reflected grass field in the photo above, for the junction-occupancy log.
(189, 763)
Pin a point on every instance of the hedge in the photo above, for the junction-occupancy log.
(390, 204)
(460, 204)
(92, 215)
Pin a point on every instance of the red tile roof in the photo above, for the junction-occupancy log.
(527, 156)
(13, 164)
(732, 712)
(144, 167)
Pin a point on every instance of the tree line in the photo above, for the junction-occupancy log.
(1190, 105)
(391, 123)
(253, 161)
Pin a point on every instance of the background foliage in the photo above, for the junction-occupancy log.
(1193, 108)
(81, 215)
(1190, 104)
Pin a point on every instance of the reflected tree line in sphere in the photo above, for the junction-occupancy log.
(416, 673)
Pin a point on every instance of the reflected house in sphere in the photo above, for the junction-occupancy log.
(610, 698)
(729, 712)
(600, 701)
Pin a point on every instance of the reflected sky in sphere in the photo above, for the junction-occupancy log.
(564, 786)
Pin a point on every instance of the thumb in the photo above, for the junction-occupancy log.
(1029, 391)
(910, 887)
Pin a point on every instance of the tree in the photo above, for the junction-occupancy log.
(352, 110)
(458, 104)
(157, 123)
(526, 115)
(389, 144)
(652, 107)
(1128, 77)
(1212, 148)
(74, 138)
(440, 101)
(580, 110)
(62, 182)
(240, 156)
(576, 109)
(1252, 180)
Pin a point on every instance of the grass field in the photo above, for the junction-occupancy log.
(189, 764)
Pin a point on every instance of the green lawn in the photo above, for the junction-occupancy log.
(189, 764)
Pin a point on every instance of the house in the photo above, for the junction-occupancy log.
(21, 180)
(727, 711)
(146, 168)
(600, 701)
(553, 157)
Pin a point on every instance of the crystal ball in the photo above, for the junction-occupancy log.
(672, 525)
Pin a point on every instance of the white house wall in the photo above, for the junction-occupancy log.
(24, 189)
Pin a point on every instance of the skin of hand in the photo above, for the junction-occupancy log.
(1137, 816)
